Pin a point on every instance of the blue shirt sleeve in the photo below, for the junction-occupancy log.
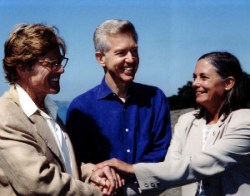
(161, 130)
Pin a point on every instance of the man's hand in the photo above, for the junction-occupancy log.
(107, 180)
(118, 165)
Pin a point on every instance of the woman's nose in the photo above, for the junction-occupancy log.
(196, 83)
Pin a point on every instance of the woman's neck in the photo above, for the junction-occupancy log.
(213, 116)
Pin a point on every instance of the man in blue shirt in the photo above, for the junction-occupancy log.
(119, 118)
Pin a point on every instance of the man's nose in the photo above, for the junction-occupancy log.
(129, 57)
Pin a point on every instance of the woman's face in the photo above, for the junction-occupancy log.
(41, 80)
(208, 85)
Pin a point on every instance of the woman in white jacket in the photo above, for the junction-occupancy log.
(210, 148)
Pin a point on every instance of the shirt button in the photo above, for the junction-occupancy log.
(128, 150)
(126, 129)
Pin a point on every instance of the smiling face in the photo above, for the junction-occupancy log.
(121, 60)
(40, 80)
(210, 88)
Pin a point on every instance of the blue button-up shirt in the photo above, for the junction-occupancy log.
(101, 126)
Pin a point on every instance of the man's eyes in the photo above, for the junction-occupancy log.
(123, 53)
(134, 51)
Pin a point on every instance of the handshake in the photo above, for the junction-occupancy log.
(108, 176)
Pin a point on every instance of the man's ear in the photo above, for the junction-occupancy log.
(100, 57)
(21, 71)
(229, 83)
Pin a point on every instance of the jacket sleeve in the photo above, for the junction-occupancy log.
(228, 152)
(30, 167)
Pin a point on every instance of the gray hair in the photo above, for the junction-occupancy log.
(109, 28)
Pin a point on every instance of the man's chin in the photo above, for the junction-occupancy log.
(129, 79)
(54, 91)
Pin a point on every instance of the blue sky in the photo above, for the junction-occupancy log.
(173, 34)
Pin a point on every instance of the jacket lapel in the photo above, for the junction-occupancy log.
(41, 126)
(44, 131)
(194, 134)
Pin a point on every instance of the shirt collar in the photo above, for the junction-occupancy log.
(104, 90)
(29, 107)
(27, 104)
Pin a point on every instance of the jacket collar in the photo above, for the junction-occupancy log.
(215, 132)
(203, 120)
(43, 130)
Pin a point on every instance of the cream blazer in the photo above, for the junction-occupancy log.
(224, 164)
(30, 161)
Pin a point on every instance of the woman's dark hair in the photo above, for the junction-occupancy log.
(227, 65)
(26, 43)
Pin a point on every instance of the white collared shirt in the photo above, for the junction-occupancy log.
(206, 131)
(29, 108)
